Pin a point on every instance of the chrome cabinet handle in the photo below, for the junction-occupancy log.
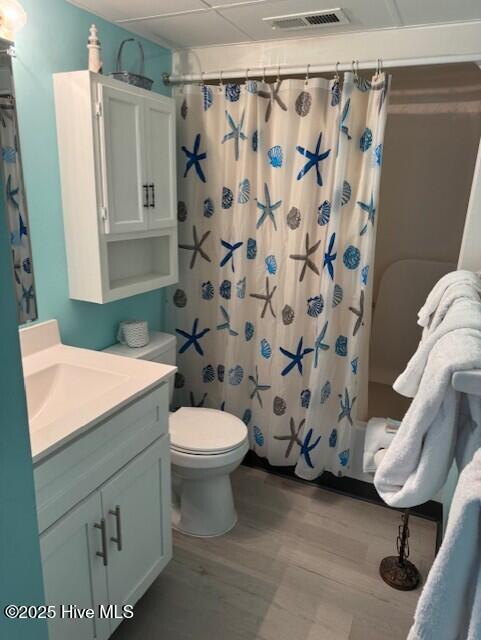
(152, 188)
(118, 538)
(103, 530)
(146, 195)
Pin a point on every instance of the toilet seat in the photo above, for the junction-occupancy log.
(205, 432)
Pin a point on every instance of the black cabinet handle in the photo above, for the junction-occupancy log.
(102, 554)
(152, 189)
(118, 538)
(146, 195)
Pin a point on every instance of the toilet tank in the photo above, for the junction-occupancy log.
(161, 348)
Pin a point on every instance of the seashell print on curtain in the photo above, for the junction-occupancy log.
(278, 204)
(16, 211)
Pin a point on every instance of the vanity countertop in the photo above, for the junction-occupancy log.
(69, 390)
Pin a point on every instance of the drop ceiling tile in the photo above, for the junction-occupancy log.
(191, 30)
(362, 15)
(435, 11)
(127, 9)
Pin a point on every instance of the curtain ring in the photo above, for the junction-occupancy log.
(263, 74)
(247, 76)
(336, 72)
(278, 79)
(202, 83)
(221, 84)
(306, 82)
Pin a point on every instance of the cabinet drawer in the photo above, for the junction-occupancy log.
(72, 473)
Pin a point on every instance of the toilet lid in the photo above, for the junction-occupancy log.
(205, 431)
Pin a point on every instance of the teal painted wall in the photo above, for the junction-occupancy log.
(54, 40)
(20, 569)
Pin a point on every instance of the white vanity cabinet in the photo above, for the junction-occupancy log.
(73, 574)
(104, 516)
(117, 165)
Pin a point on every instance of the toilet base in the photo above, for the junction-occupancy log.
(178, 528)
(203, 507)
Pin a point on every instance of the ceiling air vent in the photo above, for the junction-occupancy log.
(308, 19)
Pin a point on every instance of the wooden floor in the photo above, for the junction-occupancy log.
(301, 564)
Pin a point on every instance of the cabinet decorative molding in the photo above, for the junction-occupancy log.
(117, 165)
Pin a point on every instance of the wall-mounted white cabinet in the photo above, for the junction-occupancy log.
(117, 165)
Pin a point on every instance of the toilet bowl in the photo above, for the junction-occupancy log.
(206, 446)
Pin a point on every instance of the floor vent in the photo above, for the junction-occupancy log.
(308, 20)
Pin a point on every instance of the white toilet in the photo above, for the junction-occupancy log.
(206, 446)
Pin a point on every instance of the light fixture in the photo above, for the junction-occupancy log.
(12, 18)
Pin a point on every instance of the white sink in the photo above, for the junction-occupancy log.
(70, 390)
(61, 389)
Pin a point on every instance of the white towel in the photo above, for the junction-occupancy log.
(463, 314)
(417, 463)
(450, 605)
(452, 294)
(461, 276)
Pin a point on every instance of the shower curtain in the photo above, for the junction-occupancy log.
(278, 199)
(16, 212)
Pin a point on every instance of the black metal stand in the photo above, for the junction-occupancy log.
(397, 571)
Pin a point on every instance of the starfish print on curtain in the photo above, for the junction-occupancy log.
(314, 158)
(346, 407)
(267, 208)
(371, 213)
(359, 313)
(272, 95)
(306, 258)
(192, 338)
(258, 387)
(296, 358)
(267, 298)
(226, 324)
(293, 437)
(194, 402)
(231, 248)
(271, 311)
(236, 134)
(12, 192)
(307, 447)
(196, 248)
(320, 345)
(194, 159)
(330, 256)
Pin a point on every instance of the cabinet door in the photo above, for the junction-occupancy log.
(160, 145)
(73, 573)
(137, 504)
(121, 121)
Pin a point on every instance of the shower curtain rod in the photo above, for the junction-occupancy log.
(288, 70)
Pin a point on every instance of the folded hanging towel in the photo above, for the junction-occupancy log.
(461, 276)
(379, 435)
(449, 607)
(433, 432)
(452, 294)
(463, 314)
